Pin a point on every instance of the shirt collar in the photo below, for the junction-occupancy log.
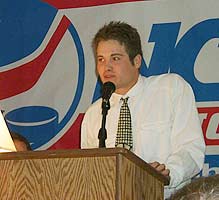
(135, 90)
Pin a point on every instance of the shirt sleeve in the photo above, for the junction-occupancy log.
(187, 142)
(89, 132)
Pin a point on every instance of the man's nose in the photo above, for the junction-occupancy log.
(108, 65)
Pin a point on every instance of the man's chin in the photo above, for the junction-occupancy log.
(108, 80)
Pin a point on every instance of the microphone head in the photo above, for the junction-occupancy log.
(107, 90)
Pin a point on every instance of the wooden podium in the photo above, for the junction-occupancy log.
(94, 174)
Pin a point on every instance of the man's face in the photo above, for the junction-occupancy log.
(113, 65)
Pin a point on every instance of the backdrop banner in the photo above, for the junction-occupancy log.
(47, 68)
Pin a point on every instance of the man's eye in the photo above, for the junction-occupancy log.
(116, 58)
(100, 59)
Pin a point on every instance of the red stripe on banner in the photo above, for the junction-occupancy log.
(82, 3)
(210, 124)
(25, 76)
(71, 139)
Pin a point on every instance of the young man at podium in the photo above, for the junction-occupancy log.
(155, 117)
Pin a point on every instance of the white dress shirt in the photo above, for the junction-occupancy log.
(165, 125)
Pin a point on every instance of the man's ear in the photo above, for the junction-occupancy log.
(137, 61)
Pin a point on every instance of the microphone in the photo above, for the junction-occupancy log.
(107, 90)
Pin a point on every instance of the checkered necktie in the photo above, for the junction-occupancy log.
(124, 132)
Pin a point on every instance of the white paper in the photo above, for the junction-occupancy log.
(6, 142)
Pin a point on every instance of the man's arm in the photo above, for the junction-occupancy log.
(187, 142)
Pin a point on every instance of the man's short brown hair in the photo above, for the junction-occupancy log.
(122, 32)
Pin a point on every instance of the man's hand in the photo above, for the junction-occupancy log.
(161, 168)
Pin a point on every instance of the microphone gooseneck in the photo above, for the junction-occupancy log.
(107, 90)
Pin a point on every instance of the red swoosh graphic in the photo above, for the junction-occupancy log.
(83, 3)
(24, 77)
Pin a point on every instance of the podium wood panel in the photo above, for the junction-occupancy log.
(94, 174)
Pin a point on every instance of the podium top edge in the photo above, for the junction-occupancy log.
(82, 153)
(68, 153)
